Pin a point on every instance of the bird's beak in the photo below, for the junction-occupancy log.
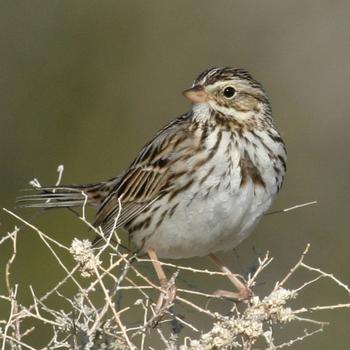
(196, 94)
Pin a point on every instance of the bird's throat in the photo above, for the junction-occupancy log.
(201, 111)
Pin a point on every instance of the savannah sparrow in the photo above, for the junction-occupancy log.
(201, 184)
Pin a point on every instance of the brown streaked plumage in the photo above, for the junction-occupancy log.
(250, 172)
(202, 183)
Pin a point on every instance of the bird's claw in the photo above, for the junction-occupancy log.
(165, 300)
(243, 294)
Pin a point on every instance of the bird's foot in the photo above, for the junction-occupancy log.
(167, 296)
(165, 300)
(243, 294)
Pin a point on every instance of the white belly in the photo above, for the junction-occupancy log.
(208, 224)
(206, 221)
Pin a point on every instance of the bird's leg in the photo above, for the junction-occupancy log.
(168, 294)
(243, 290)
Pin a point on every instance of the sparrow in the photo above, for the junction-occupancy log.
(200, 185)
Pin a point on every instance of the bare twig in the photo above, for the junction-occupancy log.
(111, 305)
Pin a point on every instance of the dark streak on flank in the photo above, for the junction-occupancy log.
(282, 160)
(161, 219)
(249, 170)
(183, 188)
(201, 181)
(172, 210)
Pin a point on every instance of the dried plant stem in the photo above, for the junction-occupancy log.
(112, 305)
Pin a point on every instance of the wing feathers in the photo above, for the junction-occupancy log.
(146, 179)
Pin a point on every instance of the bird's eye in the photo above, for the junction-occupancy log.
(229, 91)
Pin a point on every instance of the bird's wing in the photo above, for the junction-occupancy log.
(147, 178)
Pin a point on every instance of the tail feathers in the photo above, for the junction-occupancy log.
(63, 197)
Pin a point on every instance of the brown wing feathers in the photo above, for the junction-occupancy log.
(147, 178)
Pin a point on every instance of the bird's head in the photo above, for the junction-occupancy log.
(229, 91)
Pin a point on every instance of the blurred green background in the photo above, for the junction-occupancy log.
(87, 83)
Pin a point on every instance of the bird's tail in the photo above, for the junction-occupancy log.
(67, 196)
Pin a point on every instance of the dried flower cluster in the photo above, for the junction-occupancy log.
(250, 325)
(83, 254)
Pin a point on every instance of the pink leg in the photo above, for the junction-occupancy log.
(243, 291)
(168, 295)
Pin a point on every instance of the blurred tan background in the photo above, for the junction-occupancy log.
(87, 83)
